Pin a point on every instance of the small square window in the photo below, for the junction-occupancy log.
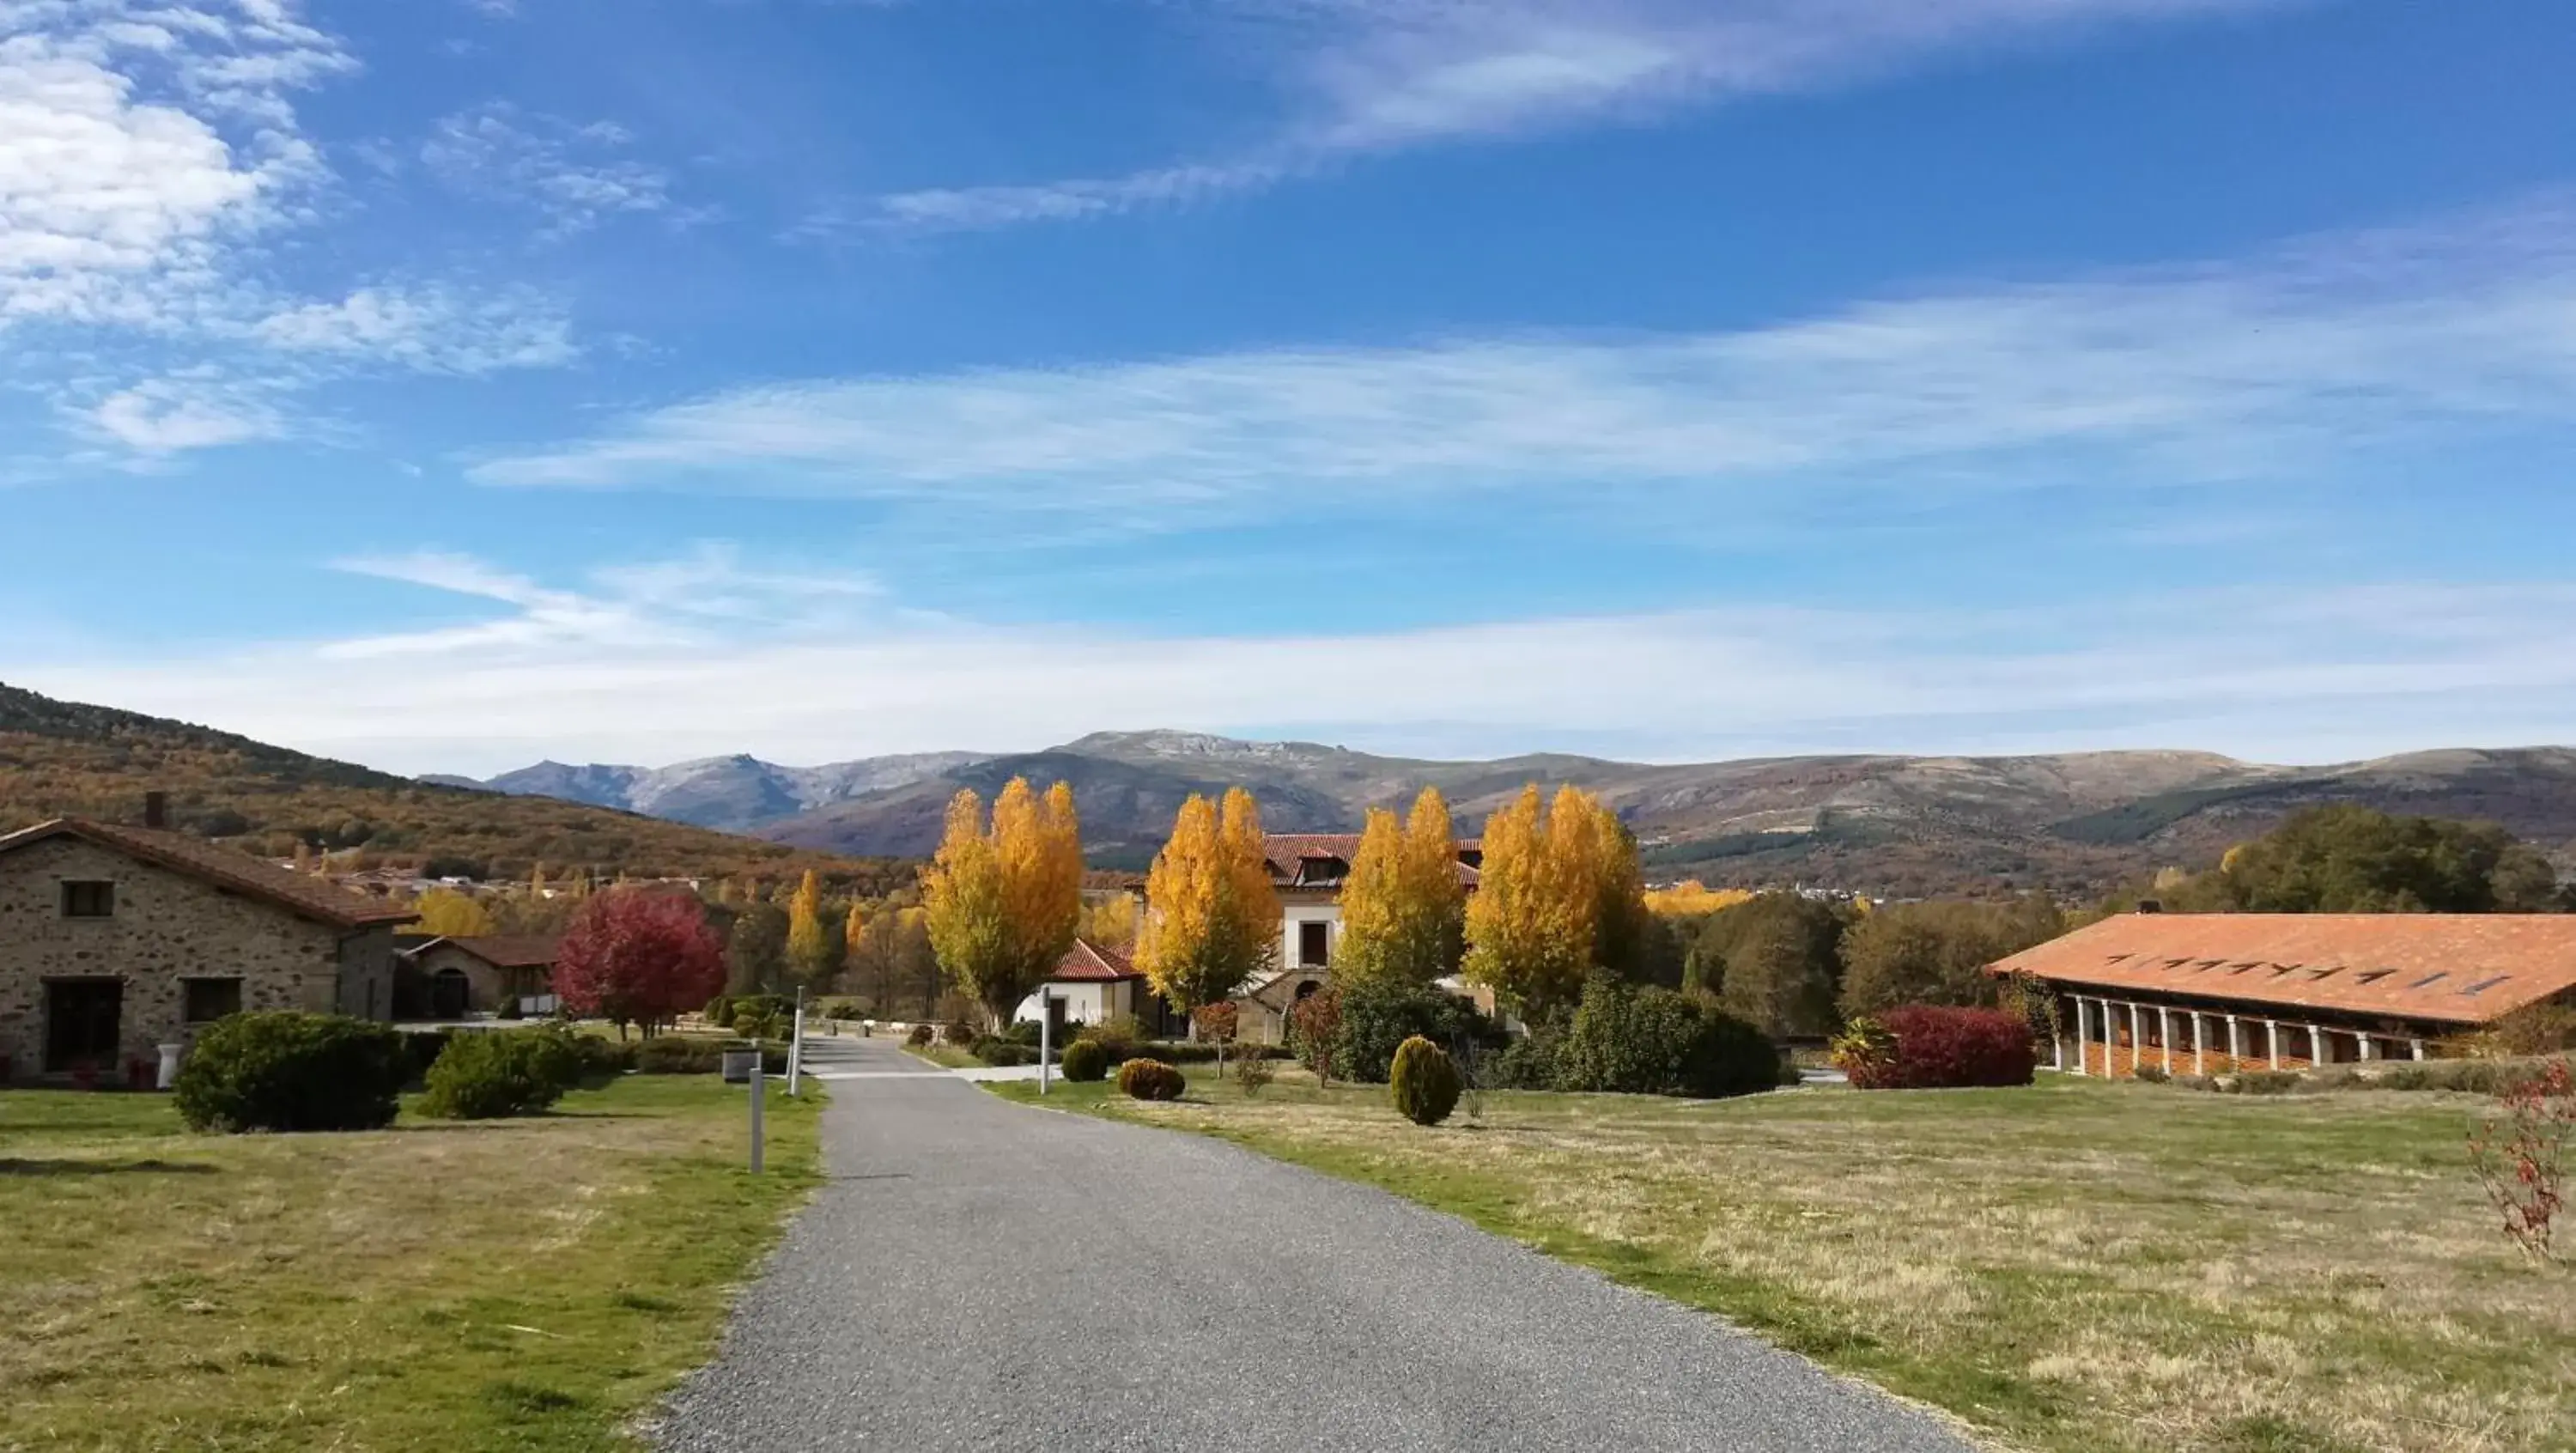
(211, 999)
(89, 900)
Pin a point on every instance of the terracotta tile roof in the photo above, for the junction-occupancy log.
(298, 893)
(2454, 968)
(1087, 962)
(503, 951)
(1289, 853)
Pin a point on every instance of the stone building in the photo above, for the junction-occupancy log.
(115, 941)
(2210, 993)
(486, 974)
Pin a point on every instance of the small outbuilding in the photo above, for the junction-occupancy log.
(486, 974)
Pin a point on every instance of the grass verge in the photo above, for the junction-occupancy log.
(529, 1285)
(2071, 1266)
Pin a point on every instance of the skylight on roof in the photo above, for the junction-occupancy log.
(2434, 977)
(2372, 976)
(2482, 985)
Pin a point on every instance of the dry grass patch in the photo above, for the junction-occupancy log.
(2069, 1266)
(517, 1284)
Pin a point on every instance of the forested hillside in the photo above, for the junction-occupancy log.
(61, 758)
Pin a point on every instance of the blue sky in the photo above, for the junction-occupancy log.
(451, 384)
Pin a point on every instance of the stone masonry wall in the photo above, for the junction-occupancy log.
(167, 927)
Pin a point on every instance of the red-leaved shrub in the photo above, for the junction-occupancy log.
(1924, 1047)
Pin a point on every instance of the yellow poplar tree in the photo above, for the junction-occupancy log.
(1404, 909)
(1003, 902)
(809, 949)
(1111, 922)
(1211, 914)
(1559, 895)
(450, 914)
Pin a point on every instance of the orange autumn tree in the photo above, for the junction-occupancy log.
(1211, 914)
(1404, 906)
(1002, 902)
(1559, 895)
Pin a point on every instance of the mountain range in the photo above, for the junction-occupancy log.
(2073, 823)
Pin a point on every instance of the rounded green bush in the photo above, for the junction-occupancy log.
(493, 1075)
(291, 1071)
(1423, 1081)
(1085, 1062)
(1150, 1079)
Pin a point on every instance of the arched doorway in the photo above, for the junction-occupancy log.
(451, 994)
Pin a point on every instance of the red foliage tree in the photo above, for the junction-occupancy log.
(634, 956)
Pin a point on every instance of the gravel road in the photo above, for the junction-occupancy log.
(981, 1275)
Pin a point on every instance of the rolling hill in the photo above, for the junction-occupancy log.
(2075, 823)
(61, 758)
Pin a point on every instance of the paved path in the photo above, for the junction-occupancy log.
(981, 1275)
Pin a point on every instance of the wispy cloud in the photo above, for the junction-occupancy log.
(576, 174)
(1362, 77)
(143, 139)
(609, 672)
(2213, 372)
(149, 155)
(675, 604)
(429, 330)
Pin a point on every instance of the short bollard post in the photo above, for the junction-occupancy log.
(1046, 1036)
(759, 1092)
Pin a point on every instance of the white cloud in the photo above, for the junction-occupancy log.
(1372, 76)
(2205, 373)
(570, 172)
(613, 673)
(142, 140)
(149, 154)
(430, 331)
(166, 416)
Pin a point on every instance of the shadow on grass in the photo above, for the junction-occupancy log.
(105, 1168)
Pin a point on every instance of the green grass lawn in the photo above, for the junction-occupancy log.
(530, 1284)
(2070, 1266)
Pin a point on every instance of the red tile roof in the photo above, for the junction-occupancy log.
(298, 893)
(1288, 852)
(1087, 962)
(2454, 968)
(503, 951)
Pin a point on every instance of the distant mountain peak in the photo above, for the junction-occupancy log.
(1166, 742)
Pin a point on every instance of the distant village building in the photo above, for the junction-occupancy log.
(485, 974)
(116, 941)
(1094, 983)
(1308, 870)
(2210, 993)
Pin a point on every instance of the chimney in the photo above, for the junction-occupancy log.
(2150, 905)
(156, 809)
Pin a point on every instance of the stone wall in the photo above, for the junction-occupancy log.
(168, 927)
(485, 985)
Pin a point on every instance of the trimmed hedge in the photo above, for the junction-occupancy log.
(1653, 1041)
(1150, 1079)
(1929, 1046)
(675, 1054)
(1084, 1062)
(291, 1071)
(1423, 1082)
